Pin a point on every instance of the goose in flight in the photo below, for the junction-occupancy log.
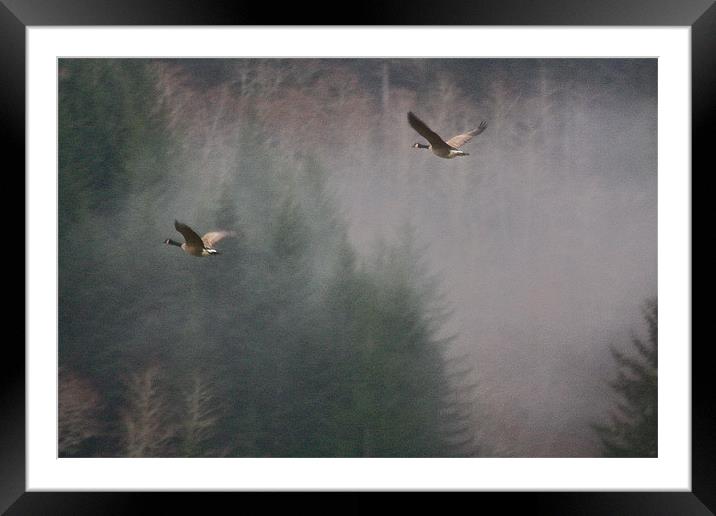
(196, 245)
(442, 149)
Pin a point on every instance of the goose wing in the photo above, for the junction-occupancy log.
(461, 139)
(424, 131)
(214, 236)
(192, 239)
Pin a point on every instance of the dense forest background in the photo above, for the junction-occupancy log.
(379, 301)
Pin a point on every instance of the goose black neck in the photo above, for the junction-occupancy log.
(172, 242)
(422, 146)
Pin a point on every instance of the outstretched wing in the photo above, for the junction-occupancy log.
(192, 239)
(461, 139)
(213, 237)
(424, 131)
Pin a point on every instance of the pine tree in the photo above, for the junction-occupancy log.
(147, 429)
(632, 429)
(113, 154)
(78, 414)
(199, 420)
(400, 377)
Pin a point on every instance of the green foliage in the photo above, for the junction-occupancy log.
(111, 137)
(392, 356)
(632, 429)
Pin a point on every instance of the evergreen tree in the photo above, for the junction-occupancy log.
(147, 431)
(78, 411)
(632, 428)
(400, 381)
(198, 423)
(113, 156)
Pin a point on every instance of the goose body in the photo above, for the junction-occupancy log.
(441, 148)
(196, 245)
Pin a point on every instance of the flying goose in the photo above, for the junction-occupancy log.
(442, 149)
(196, 245)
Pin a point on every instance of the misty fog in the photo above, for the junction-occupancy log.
(537, 250)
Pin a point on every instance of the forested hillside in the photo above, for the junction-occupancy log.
(377, 301)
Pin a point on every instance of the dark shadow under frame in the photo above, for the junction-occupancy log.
(700, 15)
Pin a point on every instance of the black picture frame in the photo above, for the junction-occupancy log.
(700, 15)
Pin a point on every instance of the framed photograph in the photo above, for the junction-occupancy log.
(409, 254)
